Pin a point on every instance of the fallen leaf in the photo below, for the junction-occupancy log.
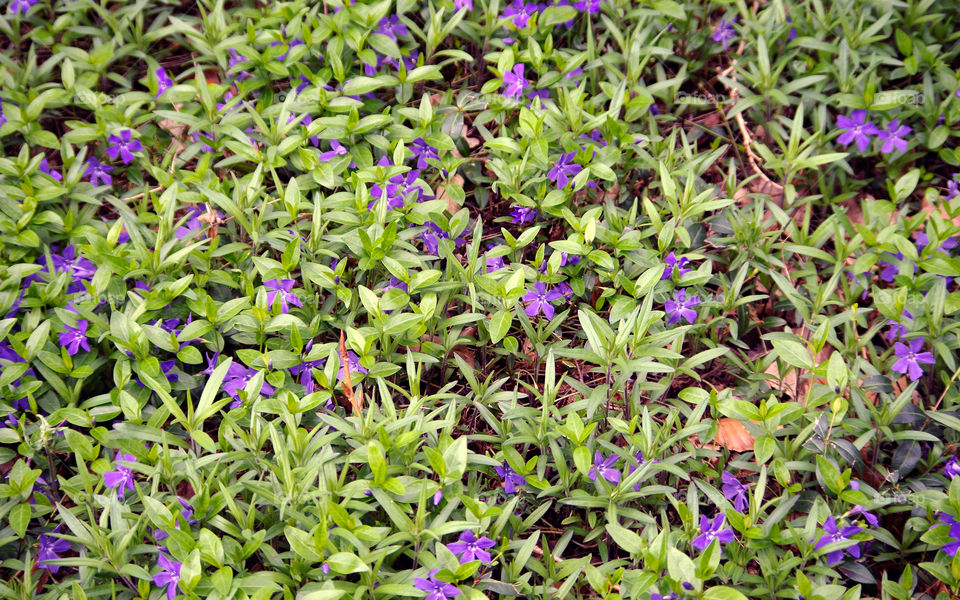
(732, 435)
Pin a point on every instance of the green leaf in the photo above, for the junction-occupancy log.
(722, 592)
(793, 353)
(20, 519)
(626, 539)
(500, 324)
(345, 563)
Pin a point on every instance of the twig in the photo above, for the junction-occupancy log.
(355, 401)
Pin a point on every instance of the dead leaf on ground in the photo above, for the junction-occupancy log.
(733, 435)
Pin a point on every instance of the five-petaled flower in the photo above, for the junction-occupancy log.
(282, 288)
(565, 168)
(123, 145)
(538, 300)
(710, 531)
(75, 338)
(122, 478)
(521, 215)
(857, 129)
(952, 468)
(469, 548)
(910, 358)
(50, 549)
(604, 467)
(510, 478)
(436, 589)
(20, 6)
(724, 32)
(514, 83)
(892, 137)
(836, 534)
(336, 149)
(675, 267)
(391, 27)
(169, 575)
(163, 81)
(734, 490)
(97, 171)
(681, 307)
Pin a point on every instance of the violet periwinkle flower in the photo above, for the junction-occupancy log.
(640, 462)
(675, 267)
(952, 546)
(50, 548)
(75, 338)
(711, 531)
(396, 189)
(422, 151)
(437, 496)
(892, 269)
(98, 171)
(563, 170)
(123, 145)
(724, 32)
(952, 468)
(336, 149)
(169, 575)
(681, 307)
(391, 27)
(953, 187)
(282, 288)
(237, 378)
(836, 534)
(514, 83)
(459, 5)
(538, 300)
(494, 263)
(892, 137)
(80, 269)
(163, 81)
(910, 357)
(735, 491)
(897, 330)
(945, 246)
(510, 478)
(470, 548)
(122, 478)
(521, 12)
(604, 467)
(20, 7)
(588, 6)
(45, 168)
(3, 117)
(522, 215)
(436, 589)
(857, 129)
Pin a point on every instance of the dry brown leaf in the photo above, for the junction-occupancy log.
(732, 435)
(212, 220)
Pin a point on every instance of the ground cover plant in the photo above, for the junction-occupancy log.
(473, 299)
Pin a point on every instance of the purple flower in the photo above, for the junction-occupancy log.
(469, 548)
(282, 287)
(235, 59)
(893, 137)
(835, 534)
(897, 330)
(355, 367)
(123, 146)
(640, 462)
(514, 82)
(422, 150)
(681, 307)
(50, 548)
(563, 170)
(459, 5)
(75, 338)
(869, 517)
(98, 171)
(604, 467)
(538, 300)
(951, 469)
(169, 575)
(953, 187)
(523, 214)
(675, 267)
(856, 128)
(237, 378)
(391, 27)
(590, 6)
(911, 357)
(951, 547)
(510, 478)
(396, 189)
(436, 589)
(725, 32)
(891, 270)
(3, 118)
(438, 496)
(494, 263)
(45, 168)
(710, 531)
(337, 149)
(20, 7)
(521, 12)
(122, 478)
(735, 491)
(163, 81)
